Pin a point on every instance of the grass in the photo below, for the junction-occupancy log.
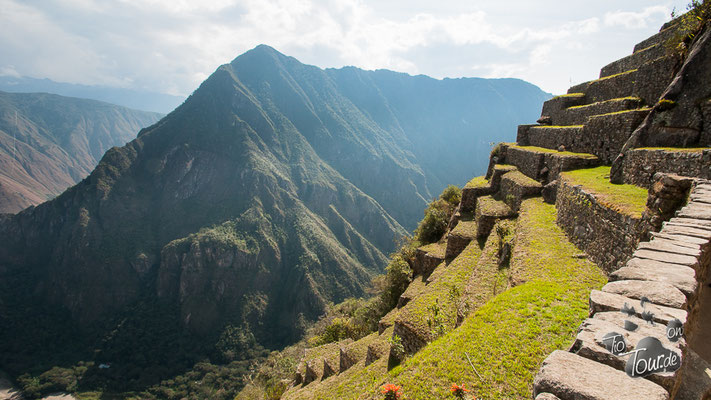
(606, 101)
(490, 206)
(556, 126)
(437, 249)
(505, 167)
(522, 179)
(448, 283)
(624, 112)
(556, 152)
(506, 339)
(675, 149)
(614, 76)
(465, 229)
(569, 95)
(627, 199)
(479, 181)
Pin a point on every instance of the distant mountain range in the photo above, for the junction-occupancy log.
(49, 143)
(135, 99)
(274, 189)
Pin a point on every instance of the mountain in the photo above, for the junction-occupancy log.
(49, 143)
(131, 98)
(274, 189)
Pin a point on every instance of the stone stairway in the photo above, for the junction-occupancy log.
(670, 273)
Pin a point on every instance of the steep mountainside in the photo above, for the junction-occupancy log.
(275, 188)
(50, 142)
(136, 99)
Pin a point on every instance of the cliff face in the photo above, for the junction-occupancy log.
(49, 143)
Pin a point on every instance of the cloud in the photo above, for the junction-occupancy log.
(635, 20)
(171, 45)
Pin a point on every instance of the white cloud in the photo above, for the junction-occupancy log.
(635, 20)
(171, 45)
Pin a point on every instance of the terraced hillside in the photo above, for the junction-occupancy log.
(545, 240)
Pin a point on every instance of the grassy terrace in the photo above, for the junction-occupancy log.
(490, 206)
(479, 181)
(675, 149)
(556, 152)
(465, 229)
(522, 179)
(507, 338)
(605, 101)
(437, 249)
(628, 199)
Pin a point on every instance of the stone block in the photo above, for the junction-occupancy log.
(516, 187)
(602, 301)
(679, 276)
(661, 293)
(634, 60)
(570, 376)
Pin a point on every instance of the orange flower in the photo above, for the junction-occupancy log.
(391, 391)
(458, 391)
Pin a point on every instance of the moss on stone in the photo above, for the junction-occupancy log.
(675, 149)
(569, 95)
(615, 75)
(521, 179)
(555, 152)
(492, 207)
(465, 229)
(479, 181)
(556, 126)
(620, 99)
(628, 199)
(436, 249)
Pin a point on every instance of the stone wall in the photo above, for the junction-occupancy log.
(640, 165)
(608, 237)
(410, 340)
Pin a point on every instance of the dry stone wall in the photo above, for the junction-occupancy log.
(608, 237)
(640, 165)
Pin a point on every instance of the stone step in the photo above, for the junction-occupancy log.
(475, 188)
(661, 293)
(695, 212)
(670, 247)
(603, 301)
(591, 342)
(578, 115)
(547, 396)
(552, 137)
(516, 187)
(634, 60)
(499, 171)
(545, 165)
(603, 135)
(609, 87)
(559, 103)
(459, 238)
(691, 222)
(643, 327)
(488, 211)
(679, 276)
(659, 38)
(572, 377)
(427, 258)
(674, 229)
(647, 82)
(666, 257)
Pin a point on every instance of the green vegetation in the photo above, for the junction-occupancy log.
(605, 101)
(628, 199)
(624, 111)
(665, 104)
(615, 75)
(675, 149)
(556, 152)
(506, 338)
(556, 126)
(437, 216)
(487, 205)
(570, 95)
(689, 25)
(479, 181)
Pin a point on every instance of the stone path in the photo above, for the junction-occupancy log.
(667, 272)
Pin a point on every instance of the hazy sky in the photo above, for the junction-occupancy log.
(172, 45)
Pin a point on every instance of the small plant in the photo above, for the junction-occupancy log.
(458, 391)
(396, 346)
(666, 104)
(391, 392)
(436, 321)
